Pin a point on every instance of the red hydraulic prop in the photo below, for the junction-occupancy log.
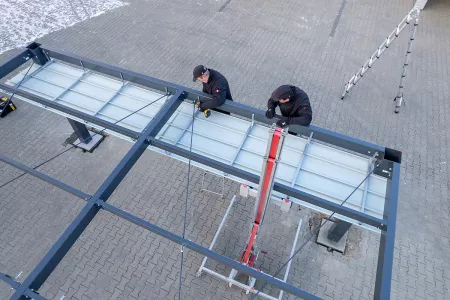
(266, 182)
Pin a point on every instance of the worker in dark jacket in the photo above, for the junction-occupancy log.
(294, 106)
(214, 84)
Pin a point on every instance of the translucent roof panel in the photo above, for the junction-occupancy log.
(311, 167)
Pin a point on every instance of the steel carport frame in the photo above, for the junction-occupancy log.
(389, 161)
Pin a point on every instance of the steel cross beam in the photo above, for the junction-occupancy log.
(388, 158)
(246, 112)
(15, 285)
(171, 236)
(45, 178)
(71, 112)
(387, 239)
(284, 189)
(206, 252)
(38, 276)
(166, 234)
(320, 134)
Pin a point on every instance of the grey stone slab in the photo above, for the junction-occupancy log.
(93, 143)
(322, 238)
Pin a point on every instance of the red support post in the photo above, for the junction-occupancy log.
(264, 191)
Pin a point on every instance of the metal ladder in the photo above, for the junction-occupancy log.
(413, 15)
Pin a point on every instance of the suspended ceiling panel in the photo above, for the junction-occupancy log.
(314, 168)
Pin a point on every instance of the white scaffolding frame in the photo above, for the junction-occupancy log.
(249, 288)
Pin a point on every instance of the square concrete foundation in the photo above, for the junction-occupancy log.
(331, 245)
(95, 141)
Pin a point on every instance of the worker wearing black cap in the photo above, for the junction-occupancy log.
(214, 84)
(294, 106)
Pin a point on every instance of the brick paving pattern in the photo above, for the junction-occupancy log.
(258, 45)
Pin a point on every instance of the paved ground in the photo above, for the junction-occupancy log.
(257, 45)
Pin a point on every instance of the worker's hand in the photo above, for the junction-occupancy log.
(197, 104)
(270, 113)
(283, 122)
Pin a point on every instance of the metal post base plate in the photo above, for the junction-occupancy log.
(89, 147)
(331, 245)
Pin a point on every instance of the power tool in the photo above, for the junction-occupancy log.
(206, 112)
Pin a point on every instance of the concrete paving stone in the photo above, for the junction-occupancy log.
(258, 46)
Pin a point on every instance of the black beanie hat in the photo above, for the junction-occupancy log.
(282, 92)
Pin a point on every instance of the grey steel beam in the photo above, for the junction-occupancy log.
(9, 281)
(287, 190)
(387, 238)
(57, 252)
(206, 252)
(73, 112)
(387, 156)
(46, 178)
(33, 295)
(320, 134)
(15, 285)
(15, 62)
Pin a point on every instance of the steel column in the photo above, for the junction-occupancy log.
(39, 56)
(15, 62)
(387, 239)
(206, 252)
(337, 230)
(81, 131)
(53, 257)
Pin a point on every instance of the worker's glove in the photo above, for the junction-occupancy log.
(197, 104)
(270, 113)
(283, 122)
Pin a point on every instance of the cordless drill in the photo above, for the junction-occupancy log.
(206, 112)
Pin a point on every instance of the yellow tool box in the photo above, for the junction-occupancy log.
(6, 106)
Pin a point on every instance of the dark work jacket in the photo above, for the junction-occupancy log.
(296, 109)
(217, 86)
